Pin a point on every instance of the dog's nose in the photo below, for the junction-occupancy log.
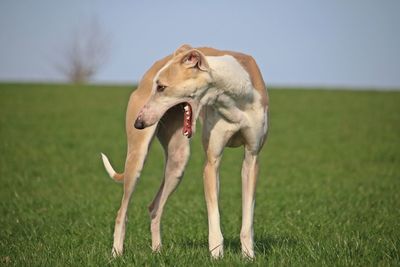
(139, 124)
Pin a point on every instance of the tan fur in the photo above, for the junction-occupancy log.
(177, 147)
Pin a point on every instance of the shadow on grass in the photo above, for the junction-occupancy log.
(263, 244)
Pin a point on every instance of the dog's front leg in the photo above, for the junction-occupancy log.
(249, 179)
(216, 133)
(211, 190)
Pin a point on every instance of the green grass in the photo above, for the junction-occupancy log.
(328, 192)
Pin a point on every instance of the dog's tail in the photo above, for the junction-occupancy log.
(118, 177)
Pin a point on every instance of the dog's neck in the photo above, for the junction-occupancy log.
(231, 90)
(229, 76)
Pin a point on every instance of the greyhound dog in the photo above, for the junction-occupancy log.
(226, 91)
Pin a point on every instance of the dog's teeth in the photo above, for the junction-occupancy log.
(186, 108)
(187, 112)
(186, 133)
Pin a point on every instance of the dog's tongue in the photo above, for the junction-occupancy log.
(187, 120)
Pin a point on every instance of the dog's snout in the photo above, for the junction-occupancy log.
(139, 123)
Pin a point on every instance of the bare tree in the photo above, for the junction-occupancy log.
(85, 55)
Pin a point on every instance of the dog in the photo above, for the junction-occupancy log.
(226, 91)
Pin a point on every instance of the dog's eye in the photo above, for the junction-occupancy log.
(161, 88)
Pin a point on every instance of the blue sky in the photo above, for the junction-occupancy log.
(311, 42)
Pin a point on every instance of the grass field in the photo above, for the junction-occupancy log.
(328, 192)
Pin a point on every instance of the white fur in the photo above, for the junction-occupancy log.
(236, 100)
(229, 75)
(257, 120)
(108, 166)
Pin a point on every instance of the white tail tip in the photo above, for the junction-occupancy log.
(108, 166)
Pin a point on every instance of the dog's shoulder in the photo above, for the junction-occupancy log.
(249, 64)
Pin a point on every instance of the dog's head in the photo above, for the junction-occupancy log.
(182, 81)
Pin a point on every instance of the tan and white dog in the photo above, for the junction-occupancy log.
(226, 90)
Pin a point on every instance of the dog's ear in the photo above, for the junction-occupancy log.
(182, 48)
(195, 59)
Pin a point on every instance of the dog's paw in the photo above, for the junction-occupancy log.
(248, 255)
(116, 252)
(217, 252)
(156, 248)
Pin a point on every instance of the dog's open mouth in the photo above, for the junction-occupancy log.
(187, 120)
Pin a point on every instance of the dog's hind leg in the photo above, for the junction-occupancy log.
(133, 166)
(138, 146)
(177, 150)
(249, 179)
